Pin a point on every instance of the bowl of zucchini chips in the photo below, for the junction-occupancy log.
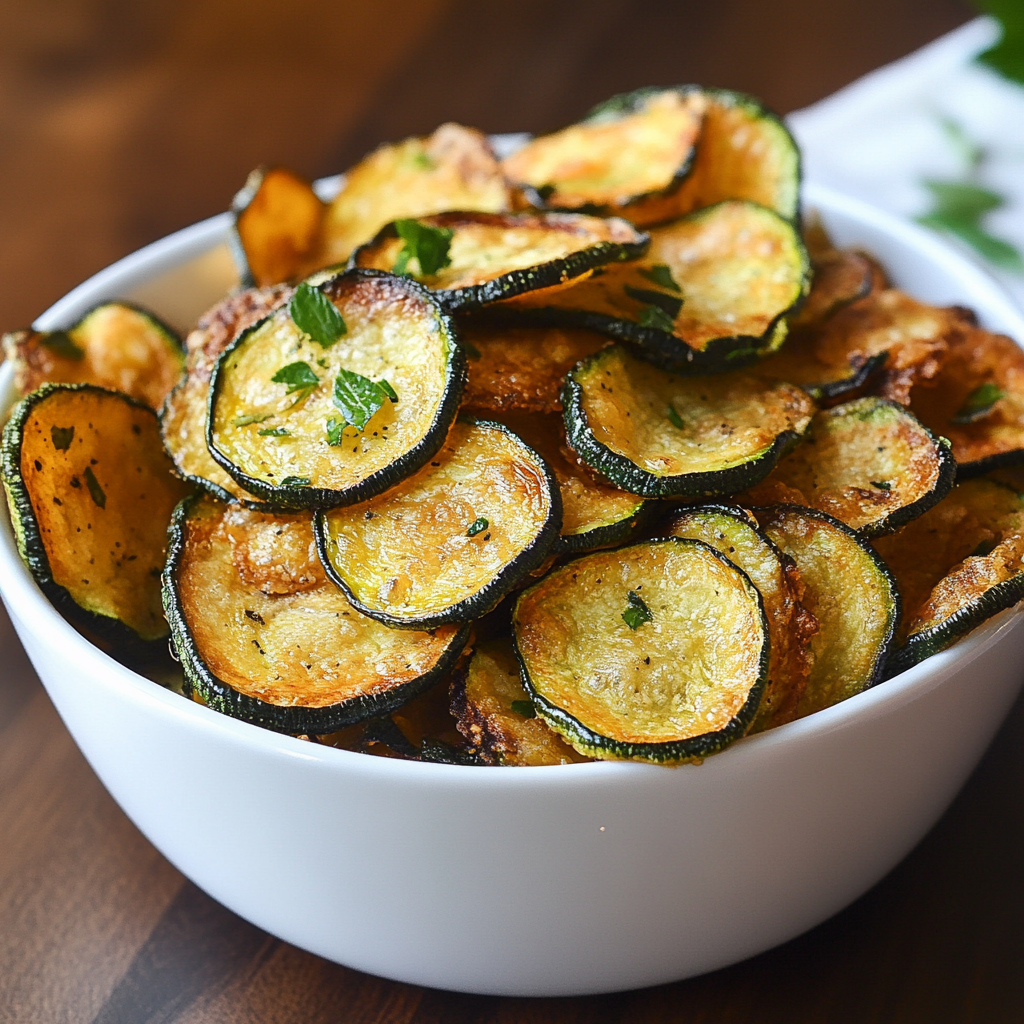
(600, 528)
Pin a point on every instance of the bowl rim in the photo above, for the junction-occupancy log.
(30, 607)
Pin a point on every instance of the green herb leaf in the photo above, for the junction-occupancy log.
(674, 418)
(668, 303)
(62, 437)
(524, 708)
(298, 377)
(637, 612)
(294, 481)
(335, 428)
(244, 421)
(1007, 56)
(388, 390)
(661, 275)
(426, 244)
(882, 485)
(358, 397)
(274, 432)
(477, 526)
(959, 207)
(400, 269)
(655, 316)
(978, 404)
(423, 161)
(62, 344)
(970, 151)
(95, 491)
(315, 314)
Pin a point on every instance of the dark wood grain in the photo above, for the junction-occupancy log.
(122, 121)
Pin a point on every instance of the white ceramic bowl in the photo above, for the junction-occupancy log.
(532, 881)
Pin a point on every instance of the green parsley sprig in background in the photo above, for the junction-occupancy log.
(1007, 56)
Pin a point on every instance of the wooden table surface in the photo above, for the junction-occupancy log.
(122, 121)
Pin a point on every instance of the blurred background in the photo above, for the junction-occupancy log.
(122, 121)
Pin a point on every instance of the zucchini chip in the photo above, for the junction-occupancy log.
(183, 416)
(452, 169)
(115, 345)
(91, 493)
(654, 652)
(977, 401)
(628, 157)
(338, 409)
(496, 716)
(595, 513)
(838, 277)
(521, 369)
(744, 152)
(278, 219)
(714, 289)
(472, 259)
(956, 566)
(735, 533)
(851, 593)
(869, 463)
(262, 635)
(887, 331)
(661, 436)
(446, 544)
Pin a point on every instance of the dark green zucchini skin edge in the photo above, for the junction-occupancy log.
(671, 352)
(878, 673)
(625, 473)
(1000, 460)
(622, 104)
(26, 527)
(943, 483)
(608, 535)
(213, 489)
(488, 597)
(926, 642)
(518, 282)
(694, 748)
(859, 377)
(219, 696)
(297, 499)
(172, 336)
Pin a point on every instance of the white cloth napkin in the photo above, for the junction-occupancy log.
(880, 136)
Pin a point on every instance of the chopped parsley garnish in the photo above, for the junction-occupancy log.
(294, 481)
(637, 612)
(62, 437)
(95, 491)
(427, 245)
(359, 398)
(335, 428)
(978, 404)
(882, 485)
(673, 417)
(298, 377)
(316, 315)
(1007, 56)
(661, 275)
(244, 421)
(655, 316)
(477, 526)
(669, 304)
(61, 343)
(524, 708)
(274, 432)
